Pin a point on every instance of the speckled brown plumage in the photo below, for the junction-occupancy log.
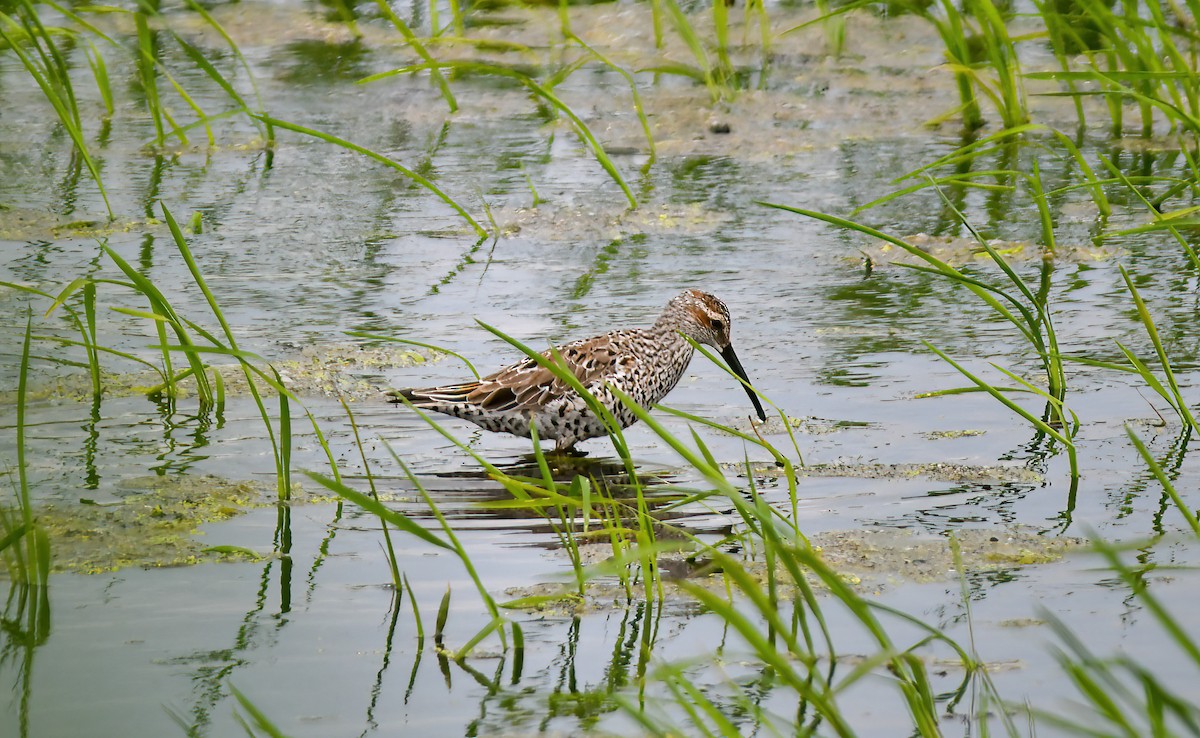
(645, 363)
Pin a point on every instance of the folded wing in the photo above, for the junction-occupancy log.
(524, 385)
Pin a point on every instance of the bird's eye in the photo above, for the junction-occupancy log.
(718, 325)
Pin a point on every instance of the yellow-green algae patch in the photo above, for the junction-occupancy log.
(553, 220)
(812, 426)
(876, 558)
(946, 434)
(155, 525)
(25, 224)
(333, 370)
(870, 560)
(935, 470)
(959, 251)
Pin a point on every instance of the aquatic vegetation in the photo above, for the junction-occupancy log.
(155, 524)
(48, 67)
(1128, 56)
(1017, 304)
(24, 545)
(546, 93)
(1145, 59)
(1124, 693)
(725, 538)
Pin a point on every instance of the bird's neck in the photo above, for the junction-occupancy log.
(671, 355)
(668, 320)
(666, 333)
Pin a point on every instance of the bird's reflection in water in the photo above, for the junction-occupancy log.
(590, 496)
(607, 473)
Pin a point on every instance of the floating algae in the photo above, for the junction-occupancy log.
(870, 560)
(344, 370)
(156, 524)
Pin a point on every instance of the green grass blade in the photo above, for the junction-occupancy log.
(1156, 469)
(396, 519)
(1164, 361)
(417, 178)
(581, 128)
(435, 73)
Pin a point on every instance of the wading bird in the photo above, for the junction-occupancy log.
(644, 363)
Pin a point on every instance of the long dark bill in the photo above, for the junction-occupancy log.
(732, 360)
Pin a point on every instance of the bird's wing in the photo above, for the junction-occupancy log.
(527, 386)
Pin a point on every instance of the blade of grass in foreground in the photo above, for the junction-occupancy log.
(936, 263)
(451, 541)
(261, 721)
(1039, 325)
(1029, 313)
(162, 308)
(390, 550)
(396, 519)
(1123, 694)
(281, 446)
(1166, 221)
(1041, 425)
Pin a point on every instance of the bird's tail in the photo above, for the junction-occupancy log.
(432, 397)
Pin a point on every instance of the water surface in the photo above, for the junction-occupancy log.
(314, 241)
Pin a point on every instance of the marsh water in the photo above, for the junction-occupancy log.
(148, 632)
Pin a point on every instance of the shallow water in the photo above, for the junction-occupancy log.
(318, 241)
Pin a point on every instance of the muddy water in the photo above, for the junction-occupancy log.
(316, 241)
